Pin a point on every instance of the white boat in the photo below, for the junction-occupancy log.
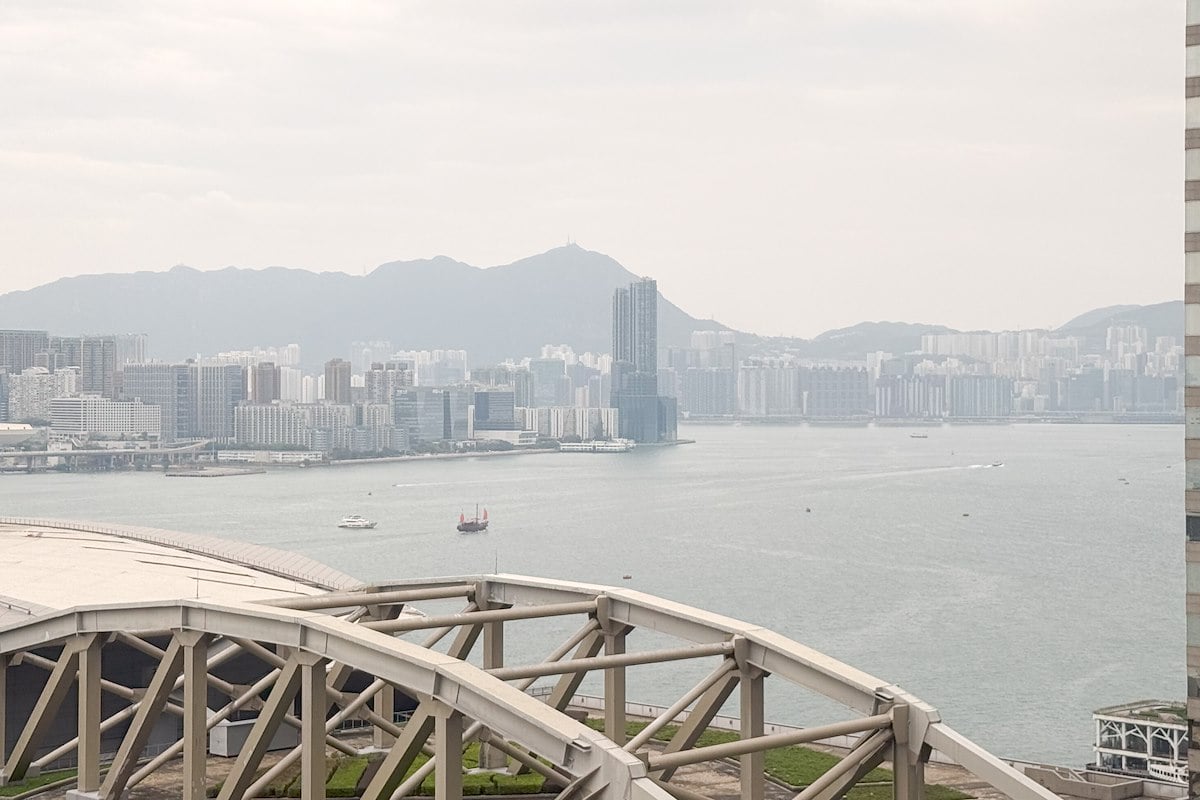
(355, 521)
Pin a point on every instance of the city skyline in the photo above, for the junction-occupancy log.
(716, 148)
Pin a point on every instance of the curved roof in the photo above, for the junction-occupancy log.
(52, 564)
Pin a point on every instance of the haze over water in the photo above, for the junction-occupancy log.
(1055, 596)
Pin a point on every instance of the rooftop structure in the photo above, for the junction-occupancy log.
(56, 564)
(1146, 738)
(302, 631)
(13, 433)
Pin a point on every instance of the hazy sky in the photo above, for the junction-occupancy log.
(785, 167)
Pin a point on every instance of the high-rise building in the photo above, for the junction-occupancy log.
(19, 349)
(98, 365)
(171, 387)
(495, 410)
(383, 379)
(551, 386)
(430, 414)
(31, 392)
(219, 388)
(265, 382)
(337, 381)
(271, 425)
(1191, 298)
(131, 348)
(635, 362)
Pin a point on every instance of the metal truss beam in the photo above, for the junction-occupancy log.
(866, 755)
(698, 720)
(608, 662)
(347, 599)
(589, 761)
(477, 617)
(269, 718)
(416, 731)
(769, 742)
(668, 716)
(42, 717)
(151, 706)
(872, 748)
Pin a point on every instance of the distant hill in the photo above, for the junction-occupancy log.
(869, 337)
(563, 296)
(1160, 319)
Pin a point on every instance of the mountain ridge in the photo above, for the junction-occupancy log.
(561, 296)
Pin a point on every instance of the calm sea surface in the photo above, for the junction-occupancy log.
(1061, 592)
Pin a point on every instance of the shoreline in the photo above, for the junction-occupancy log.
(342, 462)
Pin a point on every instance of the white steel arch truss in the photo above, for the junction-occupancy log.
(309, 646)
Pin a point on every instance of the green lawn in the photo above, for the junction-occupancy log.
(20, 787)
(796, 766)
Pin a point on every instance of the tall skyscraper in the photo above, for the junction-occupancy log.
(1191, 299)
(264, 382)
(337, 381)
(218, 391)
(635, 364)
(171, 387)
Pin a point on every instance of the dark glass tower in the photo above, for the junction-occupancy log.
(635, 363)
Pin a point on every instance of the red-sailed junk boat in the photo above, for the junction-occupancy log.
(473, 525)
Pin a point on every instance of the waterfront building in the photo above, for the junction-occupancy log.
(837, 392)
(271, 425)
(770, 388)
(337, 381)
(1145, 739)
(95, 416)
(495, 410)
(979, 396)
(330, 424)
(430, 414)
(572, 421)
(635, 361)
(19, 349)
(381, 433)
(709, 391)
(911, 396)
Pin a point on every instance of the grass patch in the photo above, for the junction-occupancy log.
(346, 774)
(481, 783)
(20, 787)
(797, 766)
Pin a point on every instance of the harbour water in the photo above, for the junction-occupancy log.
(1016, 598)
